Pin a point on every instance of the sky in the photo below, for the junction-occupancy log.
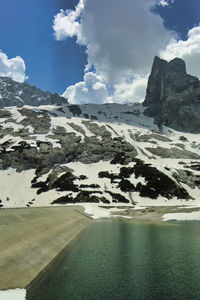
(96, 51)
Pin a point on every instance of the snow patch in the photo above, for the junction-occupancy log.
(192, 216)
(14, 294)
(97, 212)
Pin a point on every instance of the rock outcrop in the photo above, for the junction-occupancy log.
(62, 147)
(56, 159)
(18, 94)
(173, 96)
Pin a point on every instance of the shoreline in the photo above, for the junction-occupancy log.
(26, 235)
(159, 215)
(30, 239)
(52, 264)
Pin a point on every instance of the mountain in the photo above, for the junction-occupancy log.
(13, 93)
(173, 96)
(103, 155)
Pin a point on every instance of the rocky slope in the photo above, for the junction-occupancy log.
(110, 155)
(173, 96)
(18, 94)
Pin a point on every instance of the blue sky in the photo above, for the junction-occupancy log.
(180, 16)
(26, 31)
(116, 39)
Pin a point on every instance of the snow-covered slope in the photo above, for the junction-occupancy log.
(108, 155)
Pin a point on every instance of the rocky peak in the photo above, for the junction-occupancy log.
(177, 65)
(13, 93)
(173, 96)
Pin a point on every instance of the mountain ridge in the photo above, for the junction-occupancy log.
(13, 93)
(108, 155)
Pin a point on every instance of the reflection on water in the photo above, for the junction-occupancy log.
(122, 260)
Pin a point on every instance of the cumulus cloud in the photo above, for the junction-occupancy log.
(92, 89)
(188, 50)
(14, 67)
(121, 40)
(66, 23)
(130, 91)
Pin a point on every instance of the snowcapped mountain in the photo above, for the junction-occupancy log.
(110, 155)
(13, 93)
(107, 155)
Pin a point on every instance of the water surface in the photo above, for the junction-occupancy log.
(120, 260)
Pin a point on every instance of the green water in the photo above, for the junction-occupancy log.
(121, 260)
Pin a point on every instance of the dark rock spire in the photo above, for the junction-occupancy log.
(173, 96)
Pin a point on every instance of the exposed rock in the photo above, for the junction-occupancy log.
(193, 166)
(75, 110)
(59, 130)
(147, 137)
(32, 139)
(157, 183)
(182, 146)
(18, 94)
(24, 157)
(83, 196)
(63, 183)
(187, 177)
(106, 174)
(93, 186)
(126, 172)
(56, 172)
(77, 128)
(86, 196)
(96, 129)
(4, 113)
(95, 149)
(71, 147)
(173, 96)
(126, 186)
(183, 138)
(173, 153)
(86, 116)
(118, 197)
(94, 117)
(39, 121)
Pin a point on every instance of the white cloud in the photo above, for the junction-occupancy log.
(188, 50)
(66, 23)
(121, 42)
(132, 91)
(14, 67)
(92, 90)
(95, 90)
(165, 2)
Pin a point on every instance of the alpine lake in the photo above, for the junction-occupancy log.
(117, 260)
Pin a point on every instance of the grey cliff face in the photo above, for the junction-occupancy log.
(173, 96)
(18, 94)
